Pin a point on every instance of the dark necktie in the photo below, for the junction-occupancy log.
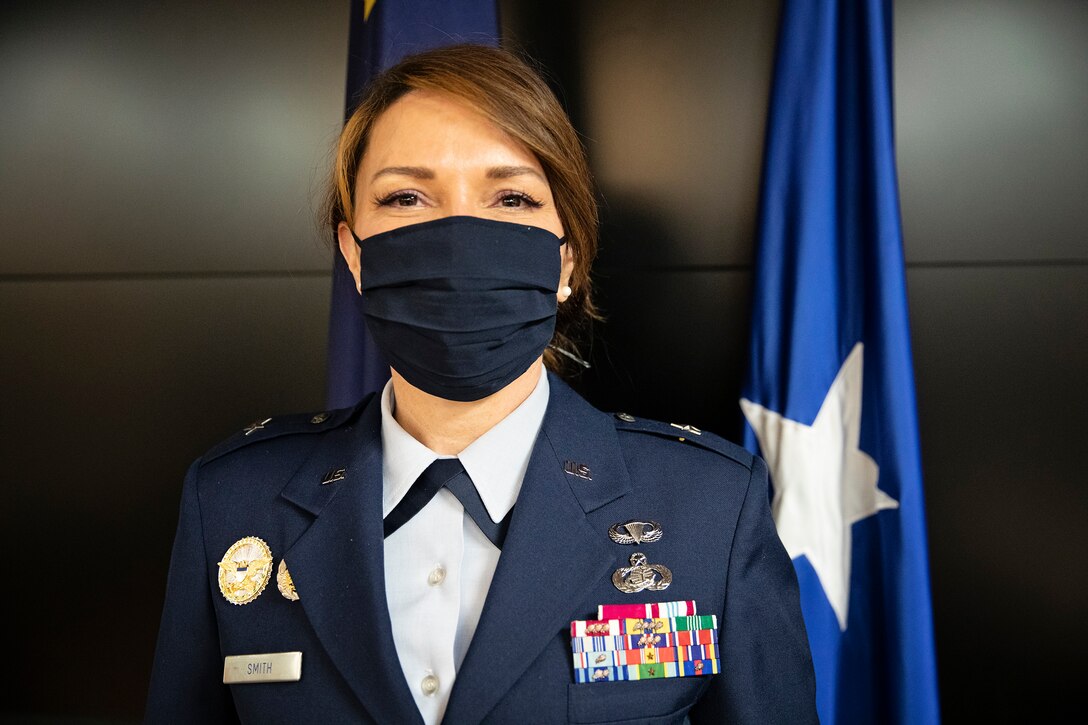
(448, 473)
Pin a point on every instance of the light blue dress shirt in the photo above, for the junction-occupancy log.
(439, 565)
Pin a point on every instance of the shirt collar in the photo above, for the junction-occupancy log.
(496, 461)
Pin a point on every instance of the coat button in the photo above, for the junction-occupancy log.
(437, 576)
(429, 685)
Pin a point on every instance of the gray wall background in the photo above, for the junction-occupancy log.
(162, 283)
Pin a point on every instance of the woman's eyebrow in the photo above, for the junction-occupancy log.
(416, 172)
(506, 172)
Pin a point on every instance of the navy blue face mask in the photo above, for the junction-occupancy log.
(461, 306)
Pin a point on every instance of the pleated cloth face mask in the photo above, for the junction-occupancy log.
(461, 306)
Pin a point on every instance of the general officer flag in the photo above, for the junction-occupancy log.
(829, 394)
(383, 32)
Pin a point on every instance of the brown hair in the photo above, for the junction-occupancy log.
(514, 97)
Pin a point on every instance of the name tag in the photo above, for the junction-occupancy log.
(271, 667)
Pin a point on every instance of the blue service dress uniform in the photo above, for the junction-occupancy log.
(311, 487)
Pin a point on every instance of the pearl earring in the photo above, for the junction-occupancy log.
(566, 291)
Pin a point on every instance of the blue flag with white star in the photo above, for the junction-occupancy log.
(383, 32)
(829, 394)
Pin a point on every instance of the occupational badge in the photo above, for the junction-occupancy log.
(245, 570)
(284, 583)
(640, 576)
(635, 532)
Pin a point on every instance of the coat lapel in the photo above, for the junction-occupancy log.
(552, 557)
(337, 566)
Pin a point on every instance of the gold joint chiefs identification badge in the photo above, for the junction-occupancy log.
(245, 570)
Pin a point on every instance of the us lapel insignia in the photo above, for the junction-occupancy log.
(245, 570)
(580, 470)
(337, 474)
(640, 576)
(635, 532)
(284, 582)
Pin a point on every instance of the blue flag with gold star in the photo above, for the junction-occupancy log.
(829, 393)
(383, 32)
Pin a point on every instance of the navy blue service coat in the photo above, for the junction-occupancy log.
(719, 541)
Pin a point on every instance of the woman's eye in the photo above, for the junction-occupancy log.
(516, 200)
(402, 198)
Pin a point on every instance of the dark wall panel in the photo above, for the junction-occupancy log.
(992, 120)
(1000, 357)
(110, 390)
(186, 136)
(671, 103)
(675, 110)
(672, 347)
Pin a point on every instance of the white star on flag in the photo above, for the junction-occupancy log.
(823, 483)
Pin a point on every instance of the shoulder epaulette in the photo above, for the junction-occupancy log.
(684, 434)
(264, 429)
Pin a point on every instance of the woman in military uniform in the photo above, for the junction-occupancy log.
(476, 542)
